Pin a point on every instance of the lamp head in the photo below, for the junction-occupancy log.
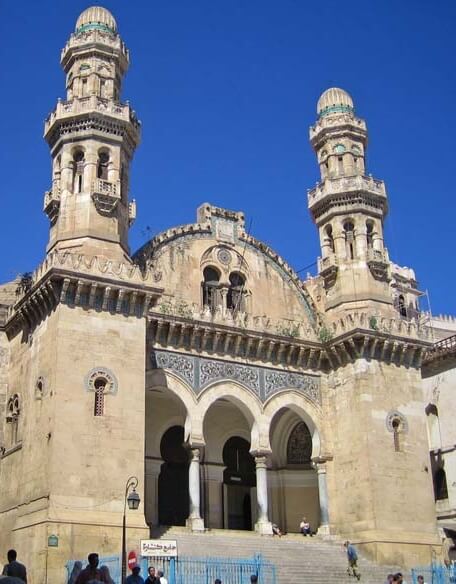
(133, 500)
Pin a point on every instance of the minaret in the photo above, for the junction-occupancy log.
(92, 137)
(349, 208)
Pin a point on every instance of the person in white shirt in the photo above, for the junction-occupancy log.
(304, 527)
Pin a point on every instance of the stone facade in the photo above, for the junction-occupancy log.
(238, 394)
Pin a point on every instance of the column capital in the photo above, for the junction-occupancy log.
(319, 462)
(260, 453)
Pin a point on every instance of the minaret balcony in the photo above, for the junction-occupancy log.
(92, 103)
(105, 195)
(51, 204)
(378, 262)
(349, 185)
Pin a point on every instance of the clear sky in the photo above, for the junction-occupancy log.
(226, 91)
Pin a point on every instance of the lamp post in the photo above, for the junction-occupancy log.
(133, 500)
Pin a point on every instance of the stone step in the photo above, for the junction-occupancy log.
(313, 560)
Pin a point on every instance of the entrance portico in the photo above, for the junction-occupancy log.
(247, 464)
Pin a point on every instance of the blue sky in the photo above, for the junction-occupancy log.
(226, 91)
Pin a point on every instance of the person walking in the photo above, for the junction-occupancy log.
(161, 577)
(135, 577)
(91, 572)
(152, 578)
(77, 569)
(14, 568)
(106, 575)
(352, 557)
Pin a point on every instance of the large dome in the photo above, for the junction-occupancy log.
(96, 17)
(334, 100)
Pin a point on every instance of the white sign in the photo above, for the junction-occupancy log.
(159, 548)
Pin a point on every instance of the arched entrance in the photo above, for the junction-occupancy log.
(293, 478)
(238, 481)
(228, 470)
(173, 503)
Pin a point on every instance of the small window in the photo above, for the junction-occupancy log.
(103, 164)
(440, 485)
(100, 386)
(78, 171)
(211, 293)
(329, 237)
(84, 88)
(235, 299)
(370, 234)
(396, 423)
(12, 418)
(349, 230)
(401, 306)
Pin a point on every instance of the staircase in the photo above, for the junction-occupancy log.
(312, 560)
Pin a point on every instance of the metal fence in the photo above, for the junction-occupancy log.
(192, 570)
(435, 574)
(113, 562)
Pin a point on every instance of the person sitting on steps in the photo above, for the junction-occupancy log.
(304, 527)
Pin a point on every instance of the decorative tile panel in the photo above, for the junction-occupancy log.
(182, 365)
(200, 372)
(212, 370)
(307, 384)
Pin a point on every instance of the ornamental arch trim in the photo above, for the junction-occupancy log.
(305, 410)
(393, 417)
(106, 375)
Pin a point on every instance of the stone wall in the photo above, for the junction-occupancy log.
(380, 495)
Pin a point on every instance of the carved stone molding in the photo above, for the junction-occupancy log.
(396, 416)
(105, 376)
(200, 372)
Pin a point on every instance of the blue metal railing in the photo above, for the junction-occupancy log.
(193, 570)
(435, 574)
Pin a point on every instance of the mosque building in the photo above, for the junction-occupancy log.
(239, 394)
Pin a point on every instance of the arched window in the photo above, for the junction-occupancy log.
(237, 458)
(173, 501)
(330, 237)
(12, 417)
(401, 306)
(57, 168)
(235, 299)
(100, 386)
(432, 414)
(299, 447)
(349, 230)
(211, 296)
(78, 171)
(440, 485)
(370, 234)
(396, 424)
(102, 167)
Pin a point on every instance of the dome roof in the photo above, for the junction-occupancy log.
(334, 100)
(96, 17)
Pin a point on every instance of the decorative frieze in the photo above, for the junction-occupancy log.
(200, 372)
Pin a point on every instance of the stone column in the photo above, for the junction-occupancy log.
(263, 526)
(323, 497)
(339, 244)
(194, 521)
(361, 241)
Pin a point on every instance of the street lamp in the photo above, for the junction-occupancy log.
(133, 500)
